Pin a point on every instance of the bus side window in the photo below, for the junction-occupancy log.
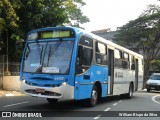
(84, 57)
(101, 53)
(132, 62)
(125, 62)
(118, 58)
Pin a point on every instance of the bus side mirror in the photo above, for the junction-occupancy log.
(19, 48)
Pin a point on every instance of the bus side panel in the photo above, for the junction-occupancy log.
(122, 80)
(83, 85)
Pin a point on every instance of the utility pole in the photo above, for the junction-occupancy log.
(7, 71)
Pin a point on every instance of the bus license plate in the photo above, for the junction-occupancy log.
(40, 90)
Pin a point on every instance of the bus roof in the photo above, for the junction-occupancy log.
(91, 35)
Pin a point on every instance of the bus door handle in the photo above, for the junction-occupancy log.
(87, 77)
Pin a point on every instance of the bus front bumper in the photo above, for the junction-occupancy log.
(63, 92)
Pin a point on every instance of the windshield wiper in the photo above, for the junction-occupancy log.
(40, 51)
(27, 53)
(52, 51)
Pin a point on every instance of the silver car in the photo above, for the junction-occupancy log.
(154, 82)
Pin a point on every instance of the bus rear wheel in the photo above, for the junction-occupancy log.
(130, 93)
(94, 97)
(52, 101)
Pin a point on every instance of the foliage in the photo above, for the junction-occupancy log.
(20, 16)
(155, 64)
(8, 17)
(45, 13)
(144, 32)
(8, 22)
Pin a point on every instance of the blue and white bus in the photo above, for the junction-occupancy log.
(67, 63)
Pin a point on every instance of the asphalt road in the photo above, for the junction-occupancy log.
(142, 106)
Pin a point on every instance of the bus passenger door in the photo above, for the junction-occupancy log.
(136, 74)
(110, 71)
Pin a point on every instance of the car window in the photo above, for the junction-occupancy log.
(155, 77)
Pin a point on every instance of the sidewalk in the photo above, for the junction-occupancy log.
(10, 93)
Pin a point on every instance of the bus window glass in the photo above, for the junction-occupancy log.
(133, 59)
(132, 62)
(84, 59)
(85, 53)
(101, 48)
(118, 54)
(126, 57)
(86, 41)
(101, 53)
(48, 57)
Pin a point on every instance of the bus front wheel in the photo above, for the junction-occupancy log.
(94, 97)
(51, 100)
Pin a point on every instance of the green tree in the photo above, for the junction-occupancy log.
(17, 17)
(46, 13)
(145, 33)
(8, 17)
(8, 23)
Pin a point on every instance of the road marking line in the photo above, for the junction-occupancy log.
(16, 104)
(154, 99)
(98, 116)
(115, 104)
(120, 101)
(9, 94)
(107, 109)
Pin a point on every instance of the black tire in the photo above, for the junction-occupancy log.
(129, 95)
(94, 97)
(148, 89)
(52, 101)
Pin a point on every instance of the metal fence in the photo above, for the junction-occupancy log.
(12, 68)
(8, 68)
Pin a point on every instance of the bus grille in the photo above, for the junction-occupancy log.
(43, 85)
(33, 91)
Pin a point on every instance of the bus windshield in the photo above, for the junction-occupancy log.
(48, 57)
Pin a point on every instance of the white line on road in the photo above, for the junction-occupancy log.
(16, 104)
(115, 104)
(107, 109)
(154, 99)
(98, 116)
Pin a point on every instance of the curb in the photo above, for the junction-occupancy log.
(10, 93)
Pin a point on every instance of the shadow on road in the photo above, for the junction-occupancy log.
(69, 105)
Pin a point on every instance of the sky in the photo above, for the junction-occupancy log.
(111, 14)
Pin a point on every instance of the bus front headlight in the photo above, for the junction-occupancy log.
(64, 84)
(23, 81)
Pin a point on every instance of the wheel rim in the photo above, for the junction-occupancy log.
(94, 96)
(131, 91)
